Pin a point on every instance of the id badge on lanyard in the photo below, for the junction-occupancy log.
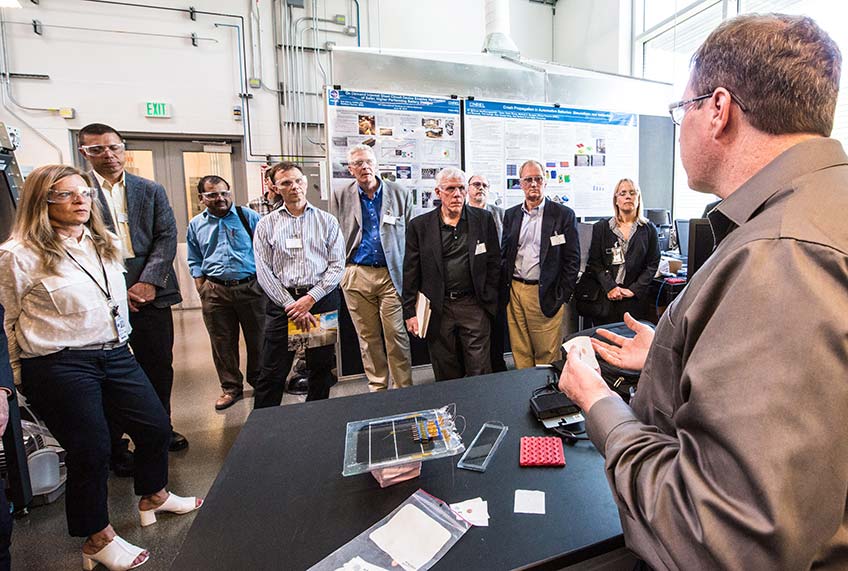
(121, 324)
(617, 255)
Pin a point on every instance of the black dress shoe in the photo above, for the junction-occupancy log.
(178, 442)
(123, 464)
(298, 386)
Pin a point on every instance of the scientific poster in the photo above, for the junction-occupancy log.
(413, 137)
(584, 151)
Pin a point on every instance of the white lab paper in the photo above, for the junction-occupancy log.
(474, 511)
(529, 502)
(411, 537)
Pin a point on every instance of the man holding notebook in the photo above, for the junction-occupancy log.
(453, 259)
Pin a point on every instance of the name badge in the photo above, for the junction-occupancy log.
(389, 219)
(294, 243)
(122, 327)
(480, 249)
(122, 217)
(557, 239)
(617, 256)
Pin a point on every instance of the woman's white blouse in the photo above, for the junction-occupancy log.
(47, 313)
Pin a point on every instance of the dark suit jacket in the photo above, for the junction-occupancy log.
(640, 263)
(559, 264)
(153, 232)
(423, 267)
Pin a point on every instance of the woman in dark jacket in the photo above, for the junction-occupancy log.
(624, 256)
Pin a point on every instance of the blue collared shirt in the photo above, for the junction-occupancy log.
(221, 247)
(370, 251)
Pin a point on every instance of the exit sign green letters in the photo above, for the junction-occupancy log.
(157, 109)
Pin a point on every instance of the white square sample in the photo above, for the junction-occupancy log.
(529, 502)
(411, 537)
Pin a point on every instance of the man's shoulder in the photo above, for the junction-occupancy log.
(815, 210)
(512, 211)
(197, 220)
(558, 209)
(139, 182)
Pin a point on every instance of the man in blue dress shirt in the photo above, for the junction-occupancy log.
(220, 257)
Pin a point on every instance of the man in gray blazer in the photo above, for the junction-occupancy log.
(137, 210)
(373, 215)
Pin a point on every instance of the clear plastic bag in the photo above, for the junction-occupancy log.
(413, 537)
(400, 439)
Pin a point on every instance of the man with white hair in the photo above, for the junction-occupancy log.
(452, 257)
(373, 215)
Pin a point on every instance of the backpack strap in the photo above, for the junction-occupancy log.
(244, 222)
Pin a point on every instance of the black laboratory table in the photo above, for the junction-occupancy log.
(281, 502)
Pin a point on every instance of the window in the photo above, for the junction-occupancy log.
(667, 33)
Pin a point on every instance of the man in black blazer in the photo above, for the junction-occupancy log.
(541, 258)
(138, 211)
(452, 258)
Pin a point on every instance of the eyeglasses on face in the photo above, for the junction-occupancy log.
(64, 195)
(529, 180)
(678, 109)
(287, 184)
(626, 193)
(216, 195)
(97, 150)
(478, 184)
(453, 189)
(361, 162)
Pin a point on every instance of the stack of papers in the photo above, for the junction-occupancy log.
(474, 511)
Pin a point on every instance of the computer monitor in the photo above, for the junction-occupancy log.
(659, 216)
(681, 228)
(701, 244)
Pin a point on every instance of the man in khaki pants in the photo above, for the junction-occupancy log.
(541, 257)
(373, 215)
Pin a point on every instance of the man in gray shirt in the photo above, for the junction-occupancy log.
(734, 454)
(478, 197)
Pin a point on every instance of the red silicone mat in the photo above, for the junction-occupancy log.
(541, 451)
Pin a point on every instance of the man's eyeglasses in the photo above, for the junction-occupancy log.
(287, 184)
(97, 150)
(678, 109)
(361, 162)
(63, 196)
(478, 184)
(451, 190)
(216, 195)
(528, 180)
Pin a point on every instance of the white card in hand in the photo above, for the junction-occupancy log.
(581, 348)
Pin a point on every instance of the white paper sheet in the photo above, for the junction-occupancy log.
(474, 511)
(411, 537)
(529, 502)
(581, 347)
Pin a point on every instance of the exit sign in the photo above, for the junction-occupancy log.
(157, 109)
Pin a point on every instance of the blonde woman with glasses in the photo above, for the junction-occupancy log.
(62, 284)
(623, 257)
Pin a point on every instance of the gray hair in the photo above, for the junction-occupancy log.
(360, 148)
(450, 172)
(531, 162)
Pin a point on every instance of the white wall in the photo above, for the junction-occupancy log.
(593, 35)
(107, 76)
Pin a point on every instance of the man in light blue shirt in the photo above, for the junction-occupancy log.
(220, 257)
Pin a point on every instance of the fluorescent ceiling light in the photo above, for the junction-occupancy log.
(10, 4)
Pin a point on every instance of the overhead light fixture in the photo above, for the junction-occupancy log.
(10, 4)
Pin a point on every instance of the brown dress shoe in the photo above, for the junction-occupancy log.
(226, 400)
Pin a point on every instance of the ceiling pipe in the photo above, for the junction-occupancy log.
(498, 40)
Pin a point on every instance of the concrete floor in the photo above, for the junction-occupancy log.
(40, 541)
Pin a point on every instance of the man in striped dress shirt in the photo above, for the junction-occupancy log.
(299, 254)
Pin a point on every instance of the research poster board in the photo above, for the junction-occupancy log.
(584, 151)
(413, 137)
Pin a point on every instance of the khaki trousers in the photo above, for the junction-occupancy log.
(535, 338)
(377, 314)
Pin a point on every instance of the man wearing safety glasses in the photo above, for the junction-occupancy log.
(733, 454)
(138, 211)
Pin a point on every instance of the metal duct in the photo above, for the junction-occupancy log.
(498, 40)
